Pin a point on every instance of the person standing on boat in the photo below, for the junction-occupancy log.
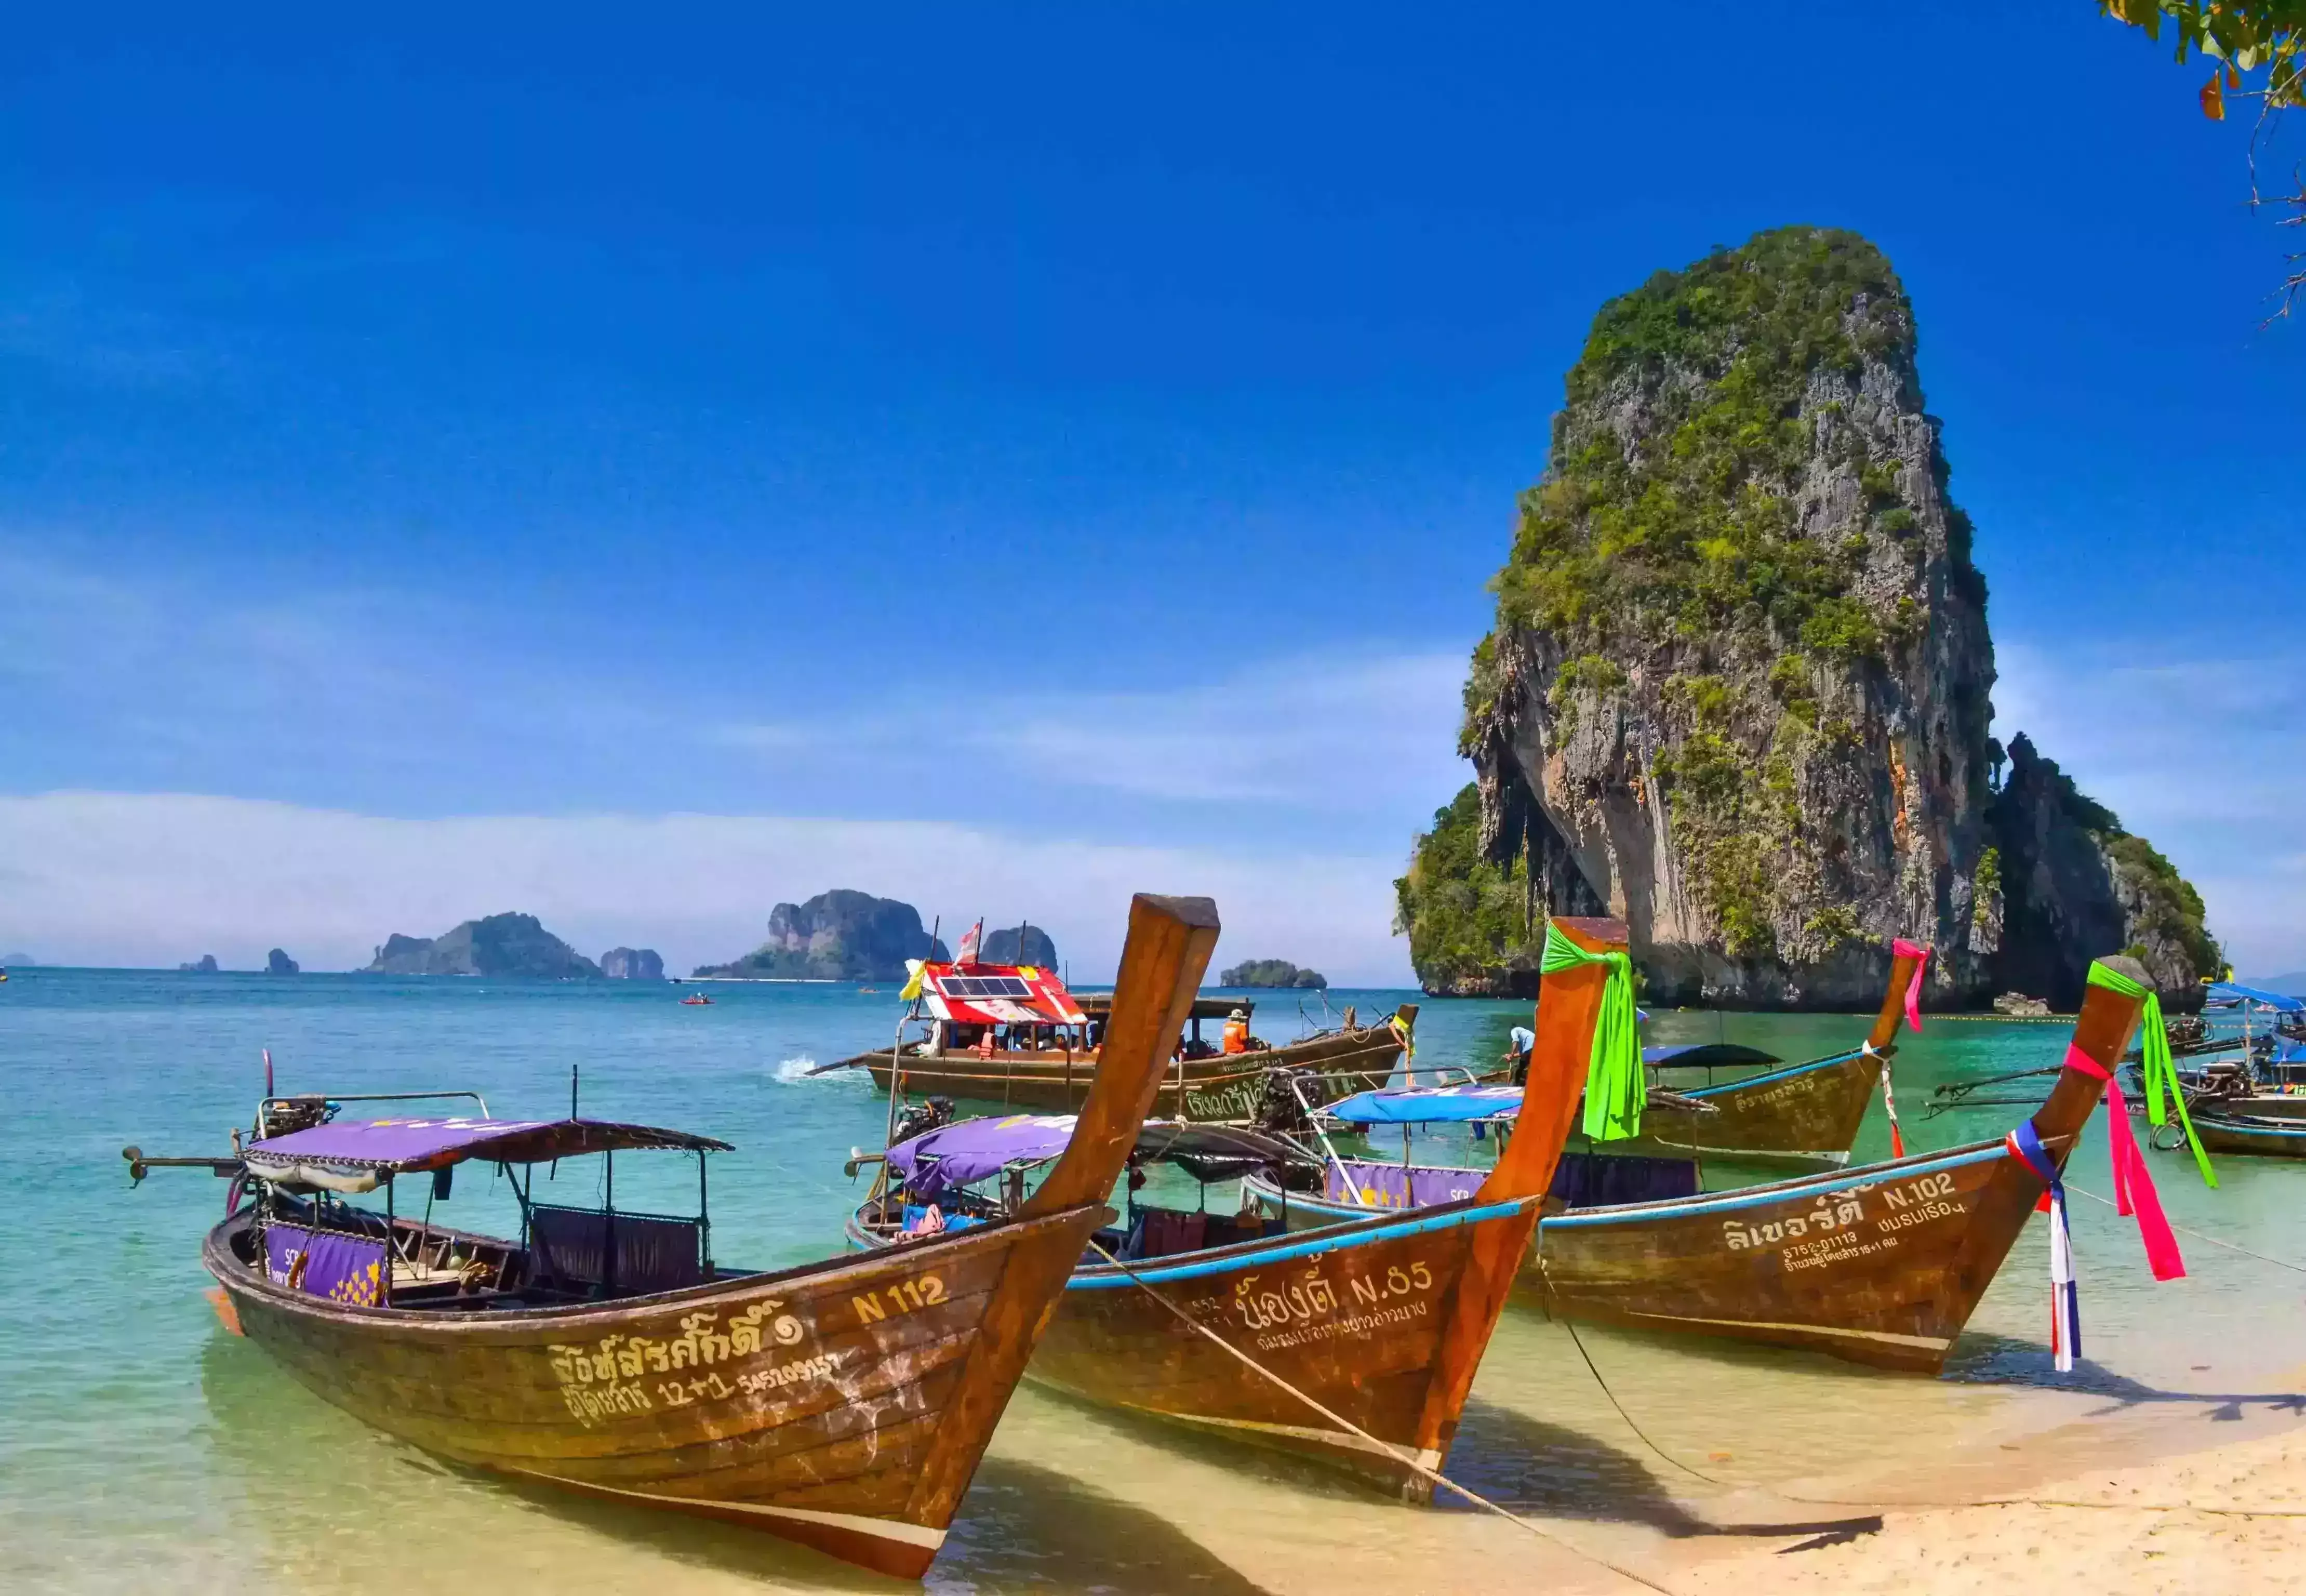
(1520, 1043)
(1236, 1031)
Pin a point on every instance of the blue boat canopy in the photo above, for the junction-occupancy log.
(1687, 1054)
(2228, 992)
(1426, 1105)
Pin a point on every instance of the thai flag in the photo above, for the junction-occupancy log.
(2065, 1300)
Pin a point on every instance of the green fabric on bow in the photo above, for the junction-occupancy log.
(1615, 1086)
(2154, 1059)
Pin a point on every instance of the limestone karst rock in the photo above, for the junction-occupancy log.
(632, 964)
(503, 945)
(1019, 944)
(841, 936)
(1737, 692)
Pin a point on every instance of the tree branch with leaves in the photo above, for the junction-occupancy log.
(2257, 51)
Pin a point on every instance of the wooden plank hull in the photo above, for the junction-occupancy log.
(2265, 1137)
(843, 1405)
(1381, 1322)
(1221, 1088)
(1881, 1265)
(1807, 1112)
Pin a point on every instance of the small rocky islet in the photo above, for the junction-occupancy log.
(1738, 691)
(1272, 972)
(849, 935)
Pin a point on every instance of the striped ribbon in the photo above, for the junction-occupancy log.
(2066, 1301)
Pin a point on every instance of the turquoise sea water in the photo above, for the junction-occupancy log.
(141, 1446)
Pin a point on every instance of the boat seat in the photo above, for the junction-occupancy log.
(1157, 1233)
(569, 1247)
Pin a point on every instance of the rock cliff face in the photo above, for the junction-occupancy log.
(2071, 884)
(1019, 944)
(205, 965)
(278, 963)
(505, 944)
(839, 935)
(1738, 691)
(632, 964)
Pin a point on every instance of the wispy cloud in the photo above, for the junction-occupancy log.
(155, 879)
(2204, 756)
(1320, 732)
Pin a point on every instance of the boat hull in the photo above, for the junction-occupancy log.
(1222, 1087)
(2281, 1134)
(1381, 1322)
(1881, 1265)
(1803, 1113)
(843, 1405)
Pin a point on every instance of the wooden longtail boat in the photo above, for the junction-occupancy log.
(2260, 1127)
(1881, 1265)
(842, 1405)
(1382, 1320)
(1013, 1034)
(1802, 1114)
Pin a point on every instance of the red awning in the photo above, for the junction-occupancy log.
(998, 994)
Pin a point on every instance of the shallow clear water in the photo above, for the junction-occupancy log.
(139, 1446)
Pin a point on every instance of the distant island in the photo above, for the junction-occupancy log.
(205, 965)
(1272, 972)
(632, 964)
(19, 960)
(505, 944)
(841, 936)
(278, 963)
(1025, 944)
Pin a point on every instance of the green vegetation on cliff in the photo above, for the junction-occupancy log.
(1464, 914)
(2157, 902)
(1694, 531)
(1272, 972)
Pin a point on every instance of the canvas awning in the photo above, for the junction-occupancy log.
(973, 1150)
(2230, 992)
(1689, 1053)
(400, 1145)
(997, 994)
(1426, 1105)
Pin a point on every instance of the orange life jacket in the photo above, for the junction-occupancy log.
(1236, 1035)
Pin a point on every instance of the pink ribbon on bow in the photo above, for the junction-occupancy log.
(1902, 949)
(2133, 1187)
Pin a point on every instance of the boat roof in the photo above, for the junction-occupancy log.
(1708, 1052)
(1098, 1004)
(2230, 992)
(997, 994)
(972, 1150)
(397, 1146)
(1426, 1104)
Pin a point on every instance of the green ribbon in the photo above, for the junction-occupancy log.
(1615, 1085)
(2153, 1057)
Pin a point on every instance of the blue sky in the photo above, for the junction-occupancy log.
(931, 450)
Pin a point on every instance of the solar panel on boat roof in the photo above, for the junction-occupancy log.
(986, 986)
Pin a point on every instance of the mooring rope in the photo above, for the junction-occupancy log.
(1786, 1496)
(2198, 1235)
(1432, 1476)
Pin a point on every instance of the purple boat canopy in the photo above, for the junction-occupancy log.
(973, 1150)
(398, 1146)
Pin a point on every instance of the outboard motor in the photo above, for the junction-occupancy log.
(1280, 1112)
(919, 1119)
